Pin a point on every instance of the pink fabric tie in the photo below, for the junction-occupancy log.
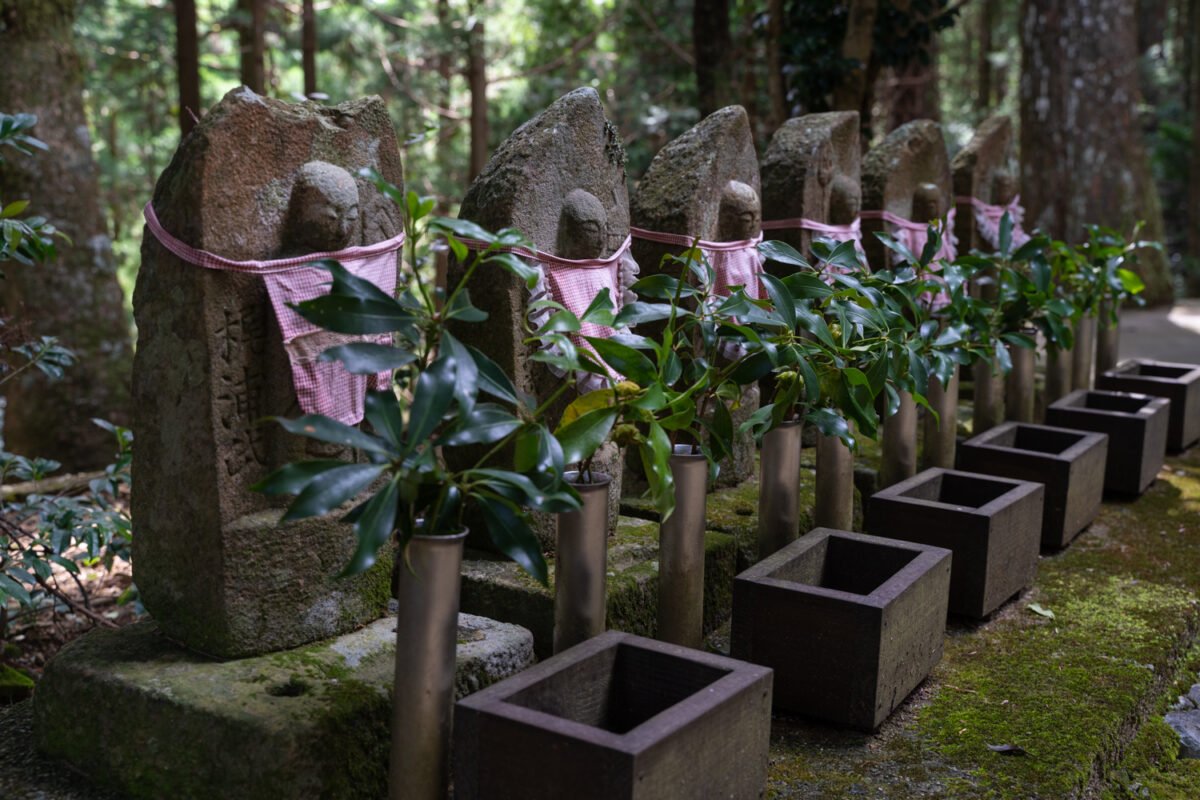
(839, 233)
(914, 235)
(575, 283)
(988, 216)
(733, 263)
(322, 387)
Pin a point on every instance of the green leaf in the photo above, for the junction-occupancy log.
(492, 379)
(598, 398)
(331, 488)
(831, 423)
(373, 527)
(624, 359)
(460, 308)
(324, 429)
(655, 454)
(581, 437)
(512, 536)
(637, 313)
(368, 358)
(781, 299)
(293, 478)
(784, 253)
(431, 399)
(466, 376)
(600, 310)
(539, 453)
(486, 423)
(10, 588)
(13, 208)
(342, 314)
(1130, 281)
(1041, 611)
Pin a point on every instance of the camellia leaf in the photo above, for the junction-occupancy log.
(581, 437)
(486, 423)
(598, 398)
(324, 429)
(784, 253)
(368, 358)
(512, 536)
(431, 399)
(492, 378)
(293, 478)
(781, 299)
(331, 488)
(373, 527)
(629, 362)
(466, 377)
(383, 412)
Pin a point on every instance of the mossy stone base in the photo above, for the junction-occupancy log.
(503, 591)
(152, 720)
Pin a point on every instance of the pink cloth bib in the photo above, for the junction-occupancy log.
(988, 216)
(733, 263)
(322, 387)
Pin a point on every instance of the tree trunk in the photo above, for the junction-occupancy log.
(775, 82)
(987, 19)
(914, 94)
(713, 46)
(1193, 46)
(851, 94)
(74, 296)
(308, 48)
(187, 60)
(252, 21)
(1082, 156)
(477, 81)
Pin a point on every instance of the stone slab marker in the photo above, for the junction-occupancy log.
(812, 170)
(564, 152)
(907, 174)
(681, 193)
(981, 170)
(215, 569)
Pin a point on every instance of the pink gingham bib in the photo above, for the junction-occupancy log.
(733, 263)
(322, 387)
(914, 235)
(988, 216)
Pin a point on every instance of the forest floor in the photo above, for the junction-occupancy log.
(1077, 698)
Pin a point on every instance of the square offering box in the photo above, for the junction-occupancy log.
(850, 623)
(993, 526)
(1179, 383)
(1136, 425)
(1069, 463)
(617, 717)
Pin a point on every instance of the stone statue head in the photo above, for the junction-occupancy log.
(740, 214)
(825, 165)
(1004, 187)
(927, 203)
(582, 226)
(845, 200)
(323, 210)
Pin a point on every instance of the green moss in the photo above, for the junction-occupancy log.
(14, 684)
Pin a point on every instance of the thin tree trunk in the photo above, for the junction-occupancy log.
(1082, 156)
(1193, 47)
(309, 48)
(775, 83)
(477, 80)
(187, 60)
(713, 44)
(987, 19)
(74, 296)
(851, 94)
(250, 34)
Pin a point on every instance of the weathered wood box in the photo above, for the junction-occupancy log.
(618, 716)
(1136, 425)
(993, 526)
(850, 623)
(1179, 383)
(1069, 463)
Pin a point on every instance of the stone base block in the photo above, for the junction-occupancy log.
(1069, 463)
(503, 591)
(1179, 383)
(617, 717)
(1136, 425)
(152, 720)
(850, 623)
(993, 526)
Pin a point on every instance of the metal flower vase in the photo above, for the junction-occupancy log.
(581, 564)
(987, 400)
(1019, 386)
(779, 488)
(899, 445)
(941, 432)
(423, 689)
(834, 485)
(1058, 374)
(1108, 339)
(681, 552)
(1083, 354)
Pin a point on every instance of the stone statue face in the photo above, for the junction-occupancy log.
(927, 203)
(825, 165)
(323, 212)
(1004, 188)
(845, 200)
(740, 214)
(583, 227)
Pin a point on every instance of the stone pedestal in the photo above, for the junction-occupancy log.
(992, 525)
(1179, 383)
(617, 717)
(1136, 425)
(1069, 463)
(163, 722)
(849, 623)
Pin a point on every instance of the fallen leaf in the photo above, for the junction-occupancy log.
(1006, 749)
(1040, 611)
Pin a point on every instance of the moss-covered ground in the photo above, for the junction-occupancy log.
(1080, 694)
